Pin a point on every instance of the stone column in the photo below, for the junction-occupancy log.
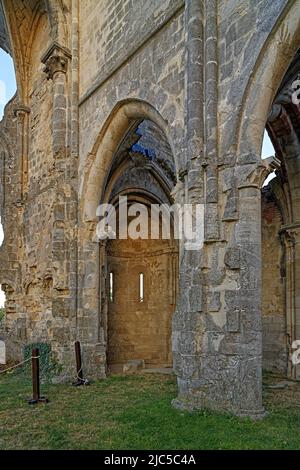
(194, 13)
(296, 235)
(189, 320)
(244, 305)
(22, 114)
(218, 341)
(92, 312)
(56, 61)
(243, 299)
(101, 347)
(211, 150)
(217, 334)
(291, 236)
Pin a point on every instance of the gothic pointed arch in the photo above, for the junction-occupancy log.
(125, 116)
(19, 25)
(266, 78)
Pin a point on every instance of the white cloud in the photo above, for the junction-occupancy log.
(2, 298)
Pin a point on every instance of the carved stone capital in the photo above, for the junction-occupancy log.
(291, 234)
(21, 111)
(56, 60)
(255, 175)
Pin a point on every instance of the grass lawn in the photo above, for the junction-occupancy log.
(134, 412)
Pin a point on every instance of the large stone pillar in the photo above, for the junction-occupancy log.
(244, 305)
(296, 235)
(56, 66)
(217, 326)
(64, 266)
(92, 312)
(188, 320)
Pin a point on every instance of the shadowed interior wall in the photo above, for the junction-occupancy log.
(140, 328)
(273, 287)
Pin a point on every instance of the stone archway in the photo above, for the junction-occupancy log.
(274, 319)
(141, 272)
(104, 178)
(20, 25)
(284, 126)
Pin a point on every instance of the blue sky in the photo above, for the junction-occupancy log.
(7, 80)
(267, 149)
(8, 84)
(7, 91)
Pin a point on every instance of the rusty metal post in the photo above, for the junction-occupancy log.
(36, 398)
(35, 375)
(78, 361)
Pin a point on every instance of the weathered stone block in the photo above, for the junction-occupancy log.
(232, 258)
(233, 321)
(195, 299)
(215, 302)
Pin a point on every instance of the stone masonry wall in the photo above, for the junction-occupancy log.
(154, 73)
(31, 205)
(112, 30)
(273, 290)
(207, 73)
(11, 219)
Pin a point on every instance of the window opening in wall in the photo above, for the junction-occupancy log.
(111, 287)
(141, 287)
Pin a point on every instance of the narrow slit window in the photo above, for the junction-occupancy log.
(111, 287)
(141, 287)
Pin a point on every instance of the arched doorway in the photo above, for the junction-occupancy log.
(280, 231)
(274, 327)
(142, 267)
(142, 297)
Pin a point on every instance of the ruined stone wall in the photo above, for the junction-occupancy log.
(206, 73)
(154, 72)
(11, 219)
(273, 289)
(118, 30)
(30, 299)
(38, 197)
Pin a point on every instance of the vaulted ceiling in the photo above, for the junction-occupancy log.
(4, 41)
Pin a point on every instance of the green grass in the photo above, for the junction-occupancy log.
(135, 413)
(2, 313)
